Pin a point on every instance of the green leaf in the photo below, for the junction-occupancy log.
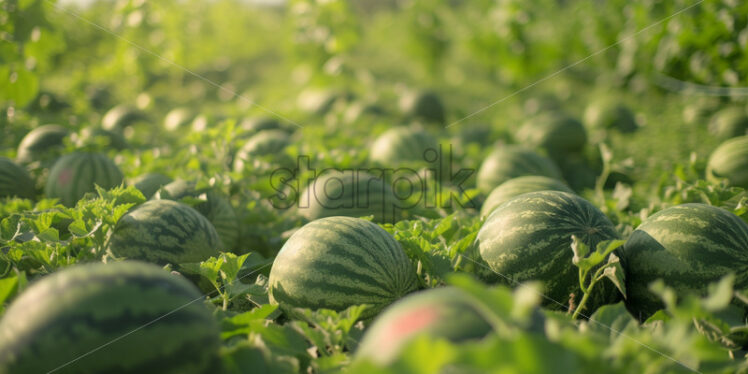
(8, 288)
(614, 272)
(580, 250)
(49, 235)
(18, 85)
(720, 294)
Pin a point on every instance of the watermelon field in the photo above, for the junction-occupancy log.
(392, 186)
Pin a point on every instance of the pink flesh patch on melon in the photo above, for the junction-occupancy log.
(410, 323)
(64, 177)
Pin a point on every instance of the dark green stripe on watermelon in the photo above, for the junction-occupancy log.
(76, 174)
(529, 238)
(164, 231)
(518, 186)
(138, 317)
(337, 262)
(688, 246)
(15, 181)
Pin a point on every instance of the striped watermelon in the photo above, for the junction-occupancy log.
(557, 133)
(403, 146)
(338, 262)
(529, 238)
(688, 246)
(15, 181)
(729, 123)
(75, 174)
(444, 313)
(217, 208)
(43, 143)
(518, 186)
(149, 183)
(511, 161)
(423, 106)
(120, 117)
(607, 114)
(164, 231)
(730, 161)
(351, 194)
(266, 142)
(123, 317)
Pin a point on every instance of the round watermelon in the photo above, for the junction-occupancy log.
(444, 313)
(511, 161)
(253, 125)
(43, 143)
(402, 146)
(216, 208)
(608, 114)
(178, 118)
(123, 317)
(15, 181)
(730, 161)
(351, 194)
(729, 123)
(518, 186)
(266, 142)
(164, 231)
(688, 246)
(338, 262)
(529, 238)
(557, 133)
(423, 106)
(120, 117)
(149, 183)
(75, 174)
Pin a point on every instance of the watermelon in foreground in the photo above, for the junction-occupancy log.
(529, 238)
(447, 313)
(164, 231)
(76, 174)
(337, 262)
(124, 317)
(688, 246)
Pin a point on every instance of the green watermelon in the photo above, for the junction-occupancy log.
(518, 186)
(557, 133)
(403, 146)
(216, 208)
(423, 106)
(123, 317)
(351, 195)
(529, 238)
(253, 125)
(164, 231)
(178, 118)
(511, 161)
(266, 142)
(444, 313)
(688, 246)
(15, 181)
(150, 183)
(120, 117)
(43, 143)
(338, 262)
(730, 161)
(75, 174)
(729, 123)
(608, 114)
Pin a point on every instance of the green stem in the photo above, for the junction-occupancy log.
(587, 292)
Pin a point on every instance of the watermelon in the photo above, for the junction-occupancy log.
(164, 231)
(43, 143)
(318, 102)
(123, 317)
(15, 181)
(216, 208)
(443, 313)
(423, 106)
(402, 146)
(253, 125)
(338, 262)
(608, 114)
(120, 117)
(518, 186)
(75, 174)
(349, 194)
(178, 118)
(730, 161)
(105, 138)
(511, 161)
(688, 246)
(557, 133)
(266, 142)
(150, 183)
(729, 123)
(529, 238)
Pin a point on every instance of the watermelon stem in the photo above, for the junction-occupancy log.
(587, 291)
